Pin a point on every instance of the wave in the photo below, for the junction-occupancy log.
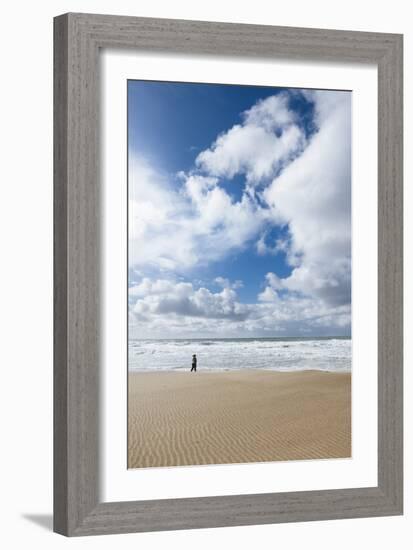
(224, 354)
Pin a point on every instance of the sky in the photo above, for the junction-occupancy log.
(239, 211)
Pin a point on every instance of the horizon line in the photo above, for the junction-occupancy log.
(348, 336)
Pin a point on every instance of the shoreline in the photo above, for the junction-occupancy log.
(178, 418)
(202, 370)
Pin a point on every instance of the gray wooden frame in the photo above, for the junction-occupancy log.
(78, 39)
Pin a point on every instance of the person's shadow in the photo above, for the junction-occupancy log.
(43, 520)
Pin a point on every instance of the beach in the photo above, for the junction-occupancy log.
(239, 416)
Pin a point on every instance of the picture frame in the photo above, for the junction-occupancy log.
(78, 39)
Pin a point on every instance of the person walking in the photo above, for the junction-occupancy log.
(193, 363)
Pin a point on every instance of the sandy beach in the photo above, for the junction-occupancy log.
(179, 418)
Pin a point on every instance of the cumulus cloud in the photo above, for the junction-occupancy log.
(268, 137)
(226, 283)
(221, 223)
(164, 297)
(156, 211)
(162, 306)
(313, 196)
(292, 181)
(263, 246)
(204, 222)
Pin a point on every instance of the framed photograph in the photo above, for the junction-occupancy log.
(228, 274)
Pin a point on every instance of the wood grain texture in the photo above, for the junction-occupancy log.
(390, 273)
(78, 38)
(60, 451)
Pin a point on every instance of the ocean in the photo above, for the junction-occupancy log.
(219, 354)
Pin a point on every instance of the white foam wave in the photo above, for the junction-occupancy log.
(332, 354)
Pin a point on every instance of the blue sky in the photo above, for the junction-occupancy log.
(157, 109)
(239, 209)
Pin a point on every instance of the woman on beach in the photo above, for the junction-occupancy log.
(193, 363)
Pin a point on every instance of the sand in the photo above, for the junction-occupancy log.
(183, 418)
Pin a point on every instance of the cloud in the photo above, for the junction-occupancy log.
(226, 283)
(165, 307)
(313, 196)
(263, 246)
(268, 138)
(164, 297)
(156, 211)
(204, 222)
(298, 183)
(221, 223)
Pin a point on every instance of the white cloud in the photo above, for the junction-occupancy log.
(268, 138)
(164, 307)
(313, 196)
(272, 113)
(191, 220)
(156, 212)
(274, 281)
(263, 246)
(165, 297)
(268, 295)
(177, 225)
(221, 223)
(226, 283)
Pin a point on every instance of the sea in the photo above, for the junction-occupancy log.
(226, 354)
